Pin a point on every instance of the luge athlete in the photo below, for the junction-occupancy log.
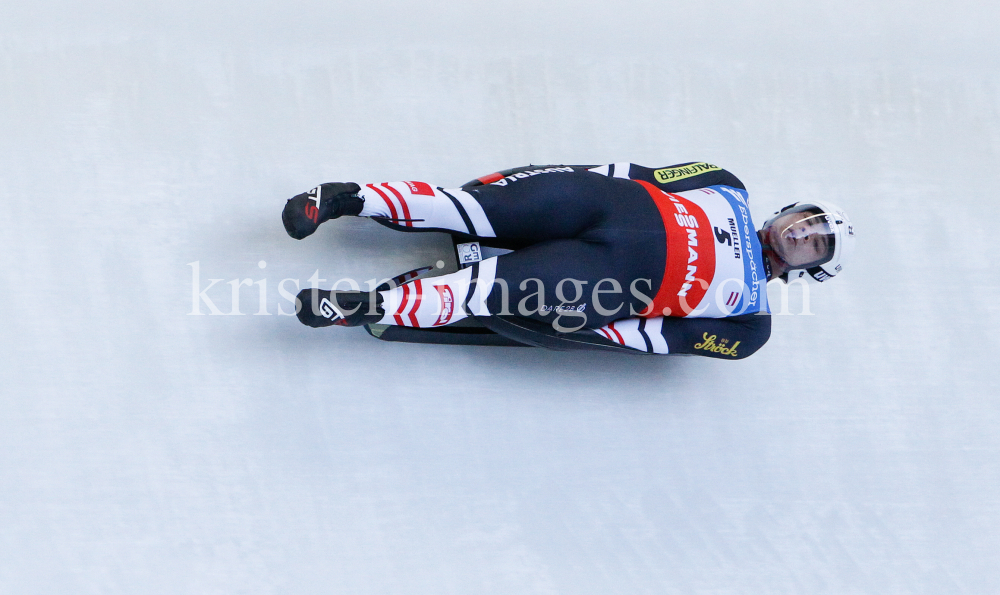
(664, 261)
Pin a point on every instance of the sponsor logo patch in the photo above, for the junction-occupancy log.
(689, 223)
(447, 304)
(421, 188)
(531, 172)
(756, 277)
(469, 253)
(327, 309)
(671, 174)
(722, 347)
(577, 308)
(819, 274)
(312, 211)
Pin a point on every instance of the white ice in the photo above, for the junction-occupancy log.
(147, 450)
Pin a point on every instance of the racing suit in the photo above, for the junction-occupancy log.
(662, 261)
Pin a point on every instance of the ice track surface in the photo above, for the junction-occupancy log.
(146, 450)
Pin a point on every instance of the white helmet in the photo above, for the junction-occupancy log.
(835, 234)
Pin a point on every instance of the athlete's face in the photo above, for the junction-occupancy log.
(800, 238)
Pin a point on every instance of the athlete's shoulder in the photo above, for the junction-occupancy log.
(685, 176)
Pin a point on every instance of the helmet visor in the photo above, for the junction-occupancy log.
(803, 236)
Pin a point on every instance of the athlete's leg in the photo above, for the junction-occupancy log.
(545, 204)
(598, 241)
(571, 283)
(557, 204)
(418, 206)
(561, 205)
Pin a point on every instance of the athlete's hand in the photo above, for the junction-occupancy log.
(304, 212)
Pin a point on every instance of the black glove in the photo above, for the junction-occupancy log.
(304, 212)
(321, 307)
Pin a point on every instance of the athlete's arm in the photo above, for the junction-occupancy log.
(685, 176)
(735, 337)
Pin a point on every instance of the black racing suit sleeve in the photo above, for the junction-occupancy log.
(714, 177)
(735, 337)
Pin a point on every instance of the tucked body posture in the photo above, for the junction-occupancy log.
(619, 256)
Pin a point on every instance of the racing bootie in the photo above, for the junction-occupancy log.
(304, 212)
(322, 307)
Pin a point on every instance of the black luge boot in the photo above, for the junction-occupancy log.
(322, 307)
(304, 212)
